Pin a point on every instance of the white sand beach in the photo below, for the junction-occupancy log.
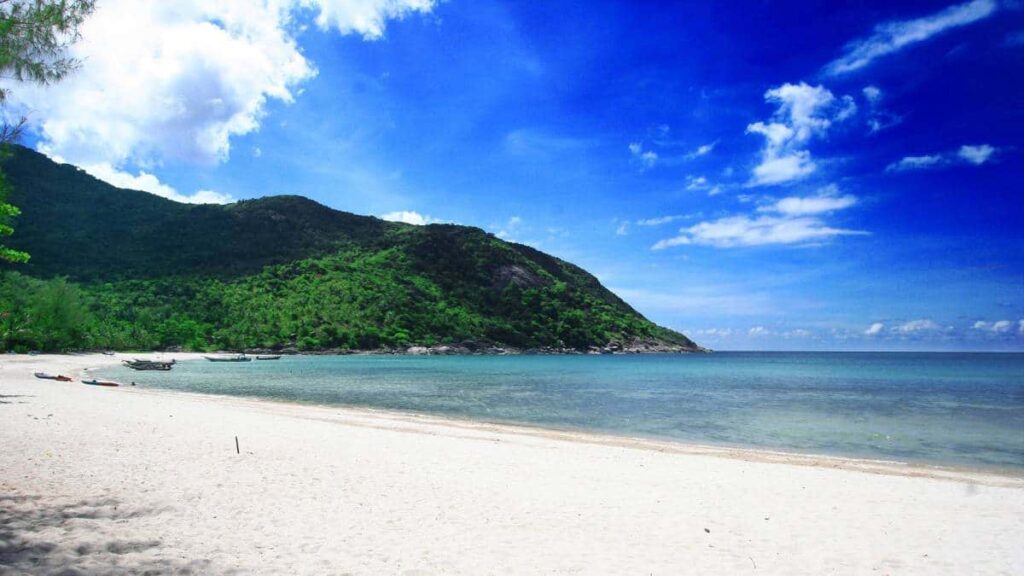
(126, 480)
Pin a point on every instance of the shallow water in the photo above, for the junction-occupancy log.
(960, 409)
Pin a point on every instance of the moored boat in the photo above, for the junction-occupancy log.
(239, 358)
(269, 357)
(148, 365)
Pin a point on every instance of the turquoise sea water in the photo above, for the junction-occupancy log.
(960, 409)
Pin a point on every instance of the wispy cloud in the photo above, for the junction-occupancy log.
(509, 229)
(702, 150)
(791, 220)
(916, 163)
(661, 220)
(744, 231)
(891, 37)
(917, 326)
(802, 112)
(975, 155)
(724, 300)
(646, 159)
(539, 144)
(878, 119)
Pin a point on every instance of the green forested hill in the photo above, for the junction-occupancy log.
(116, 268)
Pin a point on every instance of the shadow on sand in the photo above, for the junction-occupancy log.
(37, 537)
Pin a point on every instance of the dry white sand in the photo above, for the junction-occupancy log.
(125, 480)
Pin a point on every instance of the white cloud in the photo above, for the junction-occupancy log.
(509, 228)
(1020, 327)
(878, 119)
(976, 155)
(409, 217)
(918, 326)
(623, 229)
(702, 150)
(790, 220)
(149, 183)
(827, 200)
(758, 331)
(366, 17)
(973, 155)
(176, 81)
(659, 220)
(646, 158)
(743, 231)
(697, 183)
(891, 37)
(802, 112)
(997, 327)
(916, 163)
(705, 149)
(875, 329)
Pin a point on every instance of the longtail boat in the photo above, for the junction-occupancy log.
(95, 382)
(239, 358)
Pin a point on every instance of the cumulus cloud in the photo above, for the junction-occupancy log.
(875, 329)
(365, 17)
(997, 327)
(176, 81)
(802, 112)
(975, 155)
(409, 217)
(891, 37)
(149, 183)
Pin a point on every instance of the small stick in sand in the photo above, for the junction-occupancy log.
(236, 446)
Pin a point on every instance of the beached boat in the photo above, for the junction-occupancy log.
(148, 365)
(240, 358)
(95, 382)
(58, 377)
(269, 357)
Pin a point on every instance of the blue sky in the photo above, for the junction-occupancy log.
(813, 175)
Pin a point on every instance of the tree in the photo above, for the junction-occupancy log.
(34, 38)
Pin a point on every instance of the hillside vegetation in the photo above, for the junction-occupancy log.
(124, 269)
